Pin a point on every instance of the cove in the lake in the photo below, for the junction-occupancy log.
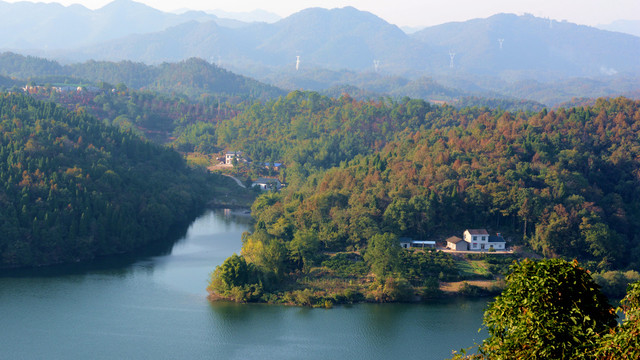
(153, 305)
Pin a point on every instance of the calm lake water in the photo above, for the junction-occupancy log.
(154, 307)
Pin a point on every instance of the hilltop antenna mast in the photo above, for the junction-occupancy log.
(500, 41)
(451, 55)
(297, 62)
(376, 64)
(550, 23)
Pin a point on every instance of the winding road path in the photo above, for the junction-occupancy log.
(236, 179)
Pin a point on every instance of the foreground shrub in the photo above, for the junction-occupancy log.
(550, 309)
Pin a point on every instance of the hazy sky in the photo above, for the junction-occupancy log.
(419, 12)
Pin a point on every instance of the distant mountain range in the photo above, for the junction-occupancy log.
(334, 39)
(503, 55)
(504, 45)
(51, 26)
(520, 47)
(191, 77)
(195, 77)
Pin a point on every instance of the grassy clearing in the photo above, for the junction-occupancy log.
(473, 268)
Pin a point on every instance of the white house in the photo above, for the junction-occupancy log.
(477, 239)
(480, 240)
(228, 158)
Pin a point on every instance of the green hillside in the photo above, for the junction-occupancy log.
(361, 174)
(74, 188)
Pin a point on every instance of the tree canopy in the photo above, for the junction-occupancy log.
(550, 309)
(74, 188)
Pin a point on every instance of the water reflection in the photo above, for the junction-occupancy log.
(229, 312)
(153, 305)
(219, 221)
(364, 331)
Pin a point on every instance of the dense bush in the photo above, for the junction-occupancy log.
(550, 309)
(347, 265)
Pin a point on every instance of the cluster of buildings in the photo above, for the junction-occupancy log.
(264, 183)
(472, 240)
(60, 88)
(476, 240)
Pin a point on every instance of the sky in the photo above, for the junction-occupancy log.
(417, 13)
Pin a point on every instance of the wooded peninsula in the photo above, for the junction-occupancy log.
(360, 175)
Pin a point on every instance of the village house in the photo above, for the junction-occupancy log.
(457, 244)
(407, 243)
(476, 240)
(274, 166)
(267, 184)
(229, 156)
(480, 240)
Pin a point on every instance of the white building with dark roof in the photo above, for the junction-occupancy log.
(480, 240)
(228, 158)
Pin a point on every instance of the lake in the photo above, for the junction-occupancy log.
(154, 306)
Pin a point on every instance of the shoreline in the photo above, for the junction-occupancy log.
(365, 292)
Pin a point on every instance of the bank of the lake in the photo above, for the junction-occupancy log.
(347, 278)
(154, 306)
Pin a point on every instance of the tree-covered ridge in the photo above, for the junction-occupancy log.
(74, 188)
(191, 77)
(511, 105)
(310, 133)
(188, 124)
(567, 181)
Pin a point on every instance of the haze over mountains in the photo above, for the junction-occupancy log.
(343, 38)
(27, 25)
(336, 47)
(631, 27)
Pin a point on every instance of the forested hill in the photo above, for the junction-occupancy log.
(74, 188)
(192, 77)
(312, 133)
(566, 182)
